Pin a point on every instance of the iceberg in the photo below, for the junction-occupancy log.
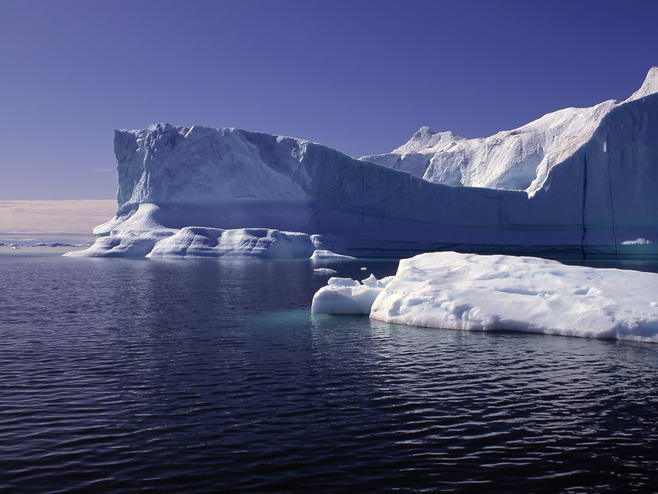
(497, 292)
(577, 182)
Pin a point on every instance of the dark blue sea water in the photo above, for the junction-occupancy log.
(194, 376)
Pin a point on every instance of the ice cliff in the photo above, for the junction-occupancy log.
(589, 180)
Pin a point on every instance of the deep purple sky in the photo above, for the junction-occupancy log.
(359, 76)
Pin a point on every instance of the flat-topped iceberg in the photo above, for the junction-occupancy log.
(593, 194)
(497, 292)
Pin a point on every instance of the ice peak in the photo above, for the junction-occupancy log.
(425, 130)
(649, 86)
(426, 138)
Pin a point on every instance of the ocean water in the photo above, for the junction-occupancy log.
(212, 376)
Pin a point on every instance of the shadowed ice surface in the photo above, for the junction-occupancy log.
(204, 375)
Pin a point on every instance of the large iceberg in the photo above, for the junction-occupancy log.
(497, 292)
(585, 180)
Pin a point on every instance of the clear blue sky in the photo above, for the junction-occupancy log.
(359, 76)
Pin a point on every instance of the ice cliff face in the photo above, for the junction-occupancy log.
(518, 159)
(600, 197)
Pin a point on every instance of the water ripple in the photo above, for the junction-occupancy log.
(120, 375)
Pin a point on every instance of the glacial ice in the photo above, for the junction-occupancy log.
(179, 186)
(497, 292)
(518, 159)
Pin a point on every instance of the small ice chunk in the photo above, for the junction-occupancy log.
(348, 296)
(336, 281)
(371, 281)
(325, 271)
(327, 255)
(637, 241)
(363, 268)
(385, 281)
(344, 299)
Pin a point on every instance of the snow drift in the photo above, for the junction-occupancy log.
(497, 292)
(590, 179)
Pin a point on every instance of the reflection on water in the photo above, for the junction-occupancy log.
(202, 375)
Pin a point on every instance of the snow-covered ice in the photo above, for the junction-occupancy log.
(496, 292)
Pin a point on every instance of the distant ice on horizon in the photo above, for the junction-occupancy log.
(34, 221)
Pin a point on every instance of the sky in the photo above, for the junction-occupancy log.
(359, 76)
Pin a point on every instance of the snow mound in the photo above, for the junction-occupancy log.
(518, 159)
(347, 296)
(474, 292)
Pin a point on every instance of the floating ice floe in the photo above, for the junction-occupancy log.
(497, 292)
(324, 255)
(325, 271)
(637, 241)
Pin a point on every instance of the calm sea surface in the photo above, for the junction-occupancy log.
(191, 376)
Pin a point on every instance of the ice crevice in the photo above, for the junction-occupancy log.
(584, 219)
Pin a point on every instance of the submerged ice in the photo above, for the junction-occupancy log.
(497, 292)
